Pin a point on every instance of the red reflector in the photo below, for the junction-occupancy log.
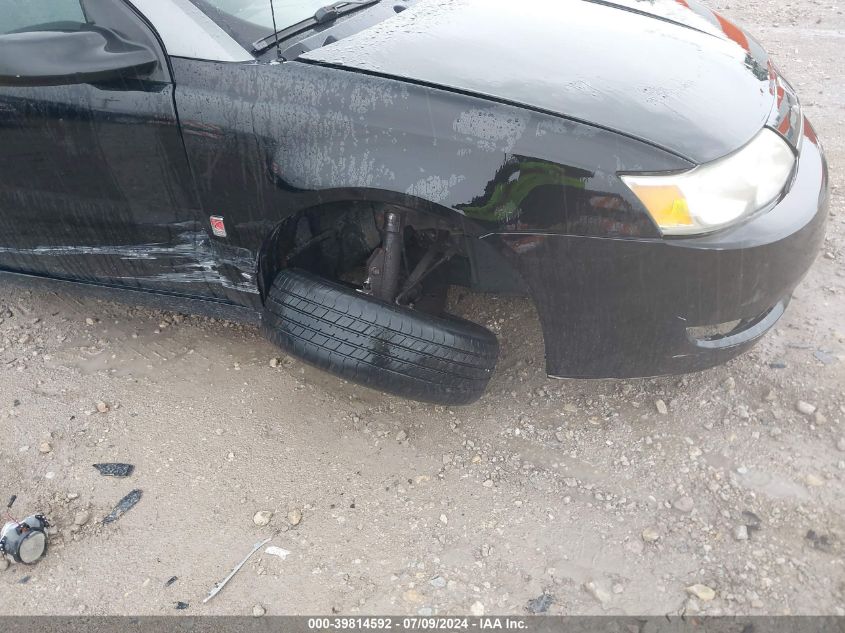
(218, 227)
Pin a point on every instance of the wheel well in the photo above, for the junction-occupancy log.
(331, 239)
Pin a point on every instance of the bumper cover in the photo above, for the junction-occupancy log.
(617, 308)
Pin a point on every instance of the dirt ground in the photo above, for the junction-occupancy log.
(583, 492)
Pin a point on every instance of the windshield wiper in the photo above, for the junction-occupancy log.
(323, 15)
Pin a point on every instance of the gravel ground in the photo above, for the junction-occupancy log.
(718, 492)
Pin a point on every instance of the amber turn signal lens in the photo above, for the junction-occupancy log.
(666, 205)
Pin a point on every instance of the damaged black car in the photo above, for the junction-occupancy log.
(640, 170)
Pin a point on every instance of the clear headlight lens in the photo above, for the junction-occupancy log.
(717, 194)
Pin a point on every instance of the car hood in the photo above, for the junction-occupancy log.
(669, 72)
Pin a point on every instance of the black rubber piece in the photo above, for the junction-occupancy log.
(438, 359)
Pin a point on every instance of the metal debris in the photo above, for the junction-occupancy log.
(123, 506)
(115, 469)
(219, 586)
(171, 580)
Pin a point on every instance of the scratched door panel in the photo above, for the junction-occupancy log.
(94, 183)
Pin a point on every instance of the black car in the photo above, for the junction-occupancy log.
(639, 169)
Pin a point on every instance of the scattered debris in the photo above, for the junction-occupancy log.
(741, 533)
(115, 469)
(752, 521)
(540, 604)
(820, 542)
(826, 358)
(702, 592)
(82, 517)
(45, 447)
(275, 362)
(262, 518)
(277, 551)
(661, 407)
(124, 505)
(171, 580)
(102, 407)
(182, 605)
(258, 610)
(218, 587)
(25, 540)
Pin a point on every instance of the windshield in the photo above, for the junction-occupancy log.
(249, 20)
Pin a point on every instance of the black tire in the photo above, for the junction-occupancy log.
(444, 360)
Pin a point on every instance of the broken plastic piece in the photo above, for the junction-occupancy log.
(123, 506)
(115, 469)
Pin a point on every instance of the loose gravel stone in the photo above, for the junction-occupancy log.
(44, 448)
(650, 535)
(438, 582)
(295, 516)
(814, 480)
(805, 408)
(477, 609)
(103, 407)
(702, 592)
(258, 610)
(684, 504)
(82, 517)
(661, 407)
(741, 533)
(262, 518)
(840, 444)
(596, 591)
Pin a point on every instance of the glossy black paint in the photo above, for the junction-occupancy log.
(267, 141)
(114, 183)
(622, 308)
(653, 70)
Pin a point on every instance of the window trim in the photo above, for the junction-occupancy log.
(188, 32)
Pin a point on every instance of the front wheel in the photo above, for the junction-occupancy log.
(438, 359)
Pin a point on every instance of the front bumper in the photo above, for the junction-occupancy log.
(617, 308)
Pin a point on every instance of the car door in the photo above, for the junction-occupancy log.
(94, 180)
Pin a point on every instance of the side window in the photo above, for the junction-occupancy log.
(38, 15)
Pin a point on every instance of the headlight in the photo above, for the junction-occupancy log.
(715, 195)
